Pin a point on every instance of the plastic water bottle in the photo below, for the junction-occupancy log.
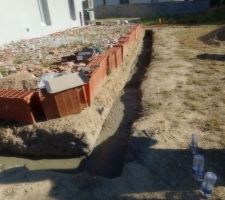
(198, 167)
(194, 143)
(208, 184)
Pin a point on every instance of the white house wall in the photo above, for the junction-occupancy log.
(20, 19)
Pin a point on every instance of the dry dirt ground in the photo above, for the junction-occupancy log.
(183, 93)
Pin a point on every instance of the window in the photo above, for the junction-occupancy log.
(44, 12)
(124, 1)
(72, 9)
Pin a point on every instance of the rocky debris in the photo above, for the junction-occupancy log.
(39, 55)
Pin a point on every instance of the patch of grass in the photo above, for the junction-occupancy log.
(46, 64)
(198, 82)
(191, 104)
(19, 60)
(216, 89)
(165, 93)
(212, 16)
(212, 124)
(3, 72)
(153, 105)
(190, 95)
(202, 95)
(62, 46)
(175, 66)
(179, 86)
(199, 71)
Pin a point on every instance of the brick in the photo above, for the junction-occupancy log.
(15, 105)
(64, 103)
(97, 77)
(111, 56)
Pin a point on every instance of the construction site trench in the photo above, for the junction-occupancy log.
(108, 157)
(109, 154)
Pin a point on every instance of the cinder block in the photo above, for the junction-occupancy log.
(64, 82)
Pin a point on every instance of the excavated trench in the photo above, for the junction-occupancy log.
(108, 157)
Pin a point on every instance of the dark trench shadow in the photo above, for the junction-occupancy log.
(162, 170)
(214, 57)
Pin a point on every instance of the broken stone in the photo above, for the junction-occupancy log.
(125, 22)
(30, 69)
(82, 64)
(100, 110)
(12, 70)
(71, 64)
(80, 58)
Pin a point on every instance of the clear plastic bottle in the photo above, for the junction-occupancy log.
(208, 183)
(198, 167)
(194, 143)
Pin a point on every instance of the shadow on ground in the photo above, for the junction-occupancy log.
(147, 170)
(213, 57)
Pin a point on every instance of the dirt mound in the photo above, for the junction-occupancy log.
(20, 80)
(216, 37)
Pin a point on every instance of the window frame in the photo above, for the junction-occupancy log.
(44, 12)
(72, 9)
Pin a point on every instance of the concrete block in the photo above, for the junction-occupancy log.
(64, 82)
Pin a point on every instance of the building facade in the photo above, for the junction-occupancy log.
(25, 19)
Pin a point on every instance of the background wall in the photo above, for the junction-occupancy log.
(151, 9)
(108, 2)
(20, 19)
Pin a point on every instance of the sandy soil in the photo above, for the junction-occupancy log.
(183, 93)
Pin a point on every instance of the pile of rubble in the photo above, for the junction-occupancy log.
(59, 51)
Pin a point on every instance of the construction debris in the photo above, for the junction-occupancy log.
(39, 55)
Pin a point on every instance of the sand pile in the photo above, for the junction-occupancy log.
(216, 37)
